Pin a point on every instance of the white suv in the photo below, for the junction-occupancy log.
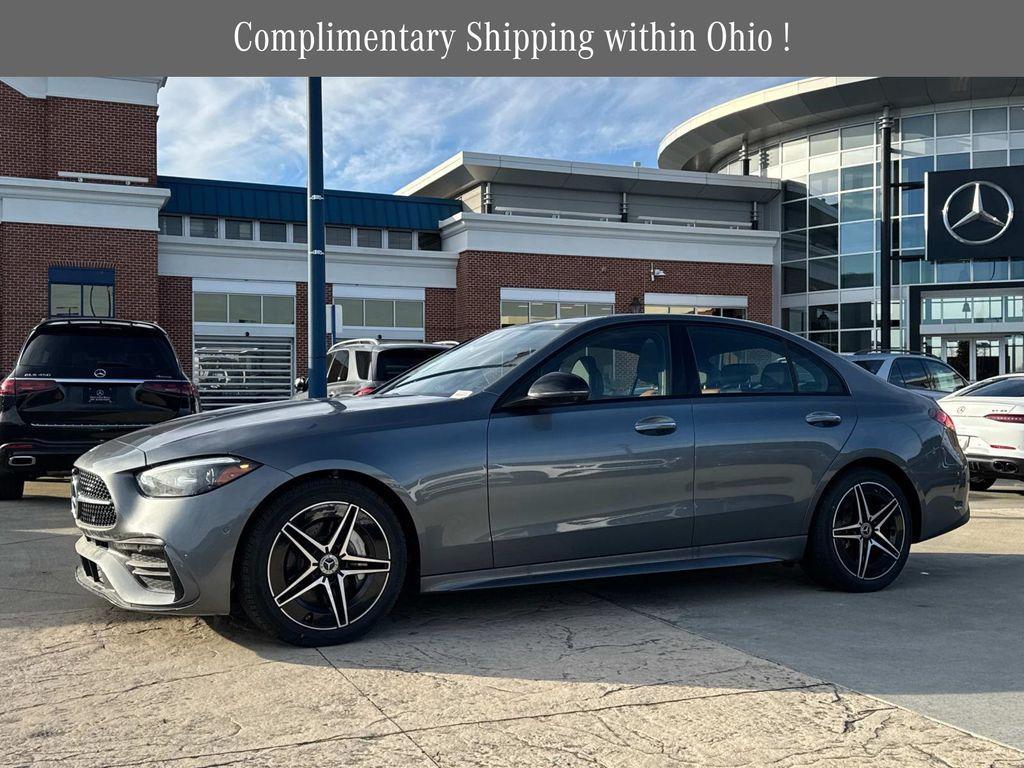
(915, 371)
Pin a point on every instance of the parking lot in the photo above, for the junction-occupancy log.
(754, 666)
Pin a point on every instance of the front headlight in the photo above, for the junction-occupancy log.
(192, 477)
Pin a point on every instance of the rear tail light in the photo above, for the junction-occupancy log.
(363, 391)
(184, 388)
(944, 419)
(1006, 418)
(12, 386)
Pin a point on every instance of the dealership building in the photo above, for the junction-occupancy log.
(766, 208)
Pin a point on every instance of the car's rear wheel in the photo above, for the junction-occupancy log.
(982, 483)
(860, 538)
(322, 564)
(11, 487)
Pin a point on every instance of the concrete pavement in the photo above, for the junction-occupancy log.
(615, 673)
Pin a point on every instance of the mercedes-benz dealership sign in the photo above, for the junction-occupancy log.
(971, 214)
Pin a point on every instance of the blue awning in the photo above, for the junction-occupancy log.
(267, 202)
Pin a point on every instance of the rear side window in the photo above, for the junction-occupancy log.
(338, 368)
(997, 388)
(871, 366)
(76, 351)
(910, 373)
(363, 365)
(736, 361)
(395, 362)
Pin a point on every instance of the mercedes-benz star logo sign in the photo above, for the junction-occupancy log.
(99, 373)
(979, 225)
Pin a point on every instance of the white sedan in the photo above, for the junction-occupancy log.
(989, 419)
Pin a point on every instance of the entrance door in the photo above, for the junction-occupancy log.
(986, 358)
(977, 359)
(957, 353)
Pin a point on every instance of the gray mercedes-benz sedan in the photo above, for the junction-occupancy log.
(558, 450)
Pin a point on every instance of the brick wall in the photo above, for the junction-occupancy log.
(302, 326)
(439, 314)
(176, 316)
(482, 274)
(28, 250)
(39, 137)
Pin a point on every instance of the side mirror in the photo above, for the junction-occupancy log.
(556, 388)
(301, 384)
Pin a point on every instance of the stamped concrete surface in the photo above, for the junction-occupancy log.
(599, 674)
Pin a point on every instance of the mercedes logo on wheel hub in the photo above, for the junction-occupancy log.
(329, 565)
(987, 217)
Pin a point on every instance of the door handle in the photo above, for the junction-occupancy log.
(823, 419)
(656, 425)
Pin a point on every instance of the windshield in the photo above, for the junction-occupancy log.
(471, 367)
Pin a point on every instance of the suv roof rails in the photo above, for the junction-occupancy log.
(880, 351)
(447, 343)
(367, 340)
(98, 321)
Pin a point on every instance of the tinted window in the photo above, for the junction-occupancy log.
(912, 374)
(997, 388)
(732, 361)
(363, 365)
(122, 353)
(618, 362)
(395, 362)
(813, 376)
(337, 370)
(871, 366)
(943, 378)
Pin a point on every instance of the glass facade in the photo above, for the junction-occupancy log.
(831, 230)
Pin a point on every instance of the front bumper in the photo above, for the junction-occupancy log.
(165, 555)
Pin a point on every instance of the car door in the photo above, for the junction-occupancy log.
(607, 476)
(769, 420)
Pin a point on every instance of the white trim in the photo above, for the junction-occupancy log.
(546, 294)
(242, 329)
(69, 203)
(695, 300)
(372, 332)
(79, 176)
(343, 291)
(124, 90)
(262, 287)
(526, 234)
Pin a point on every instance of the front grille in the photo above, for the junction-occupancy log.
(91, 498)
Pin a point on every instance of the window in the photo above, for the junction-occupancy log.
(681, 309)
(812, 375)
(273, 232)
(620, 362)
(200, 226)
(369, 238)
(243, 308)
(428, 241)
(400, 238)
(362, 364)
(235, 229)
(81, 292)
(943, 378)
(519, 312)
(732, 361)
(299, 233)
(997, 388)
(337, 369)
(871, 366)
(171, 225)
(339, 236)
(909, 373)
(381, 313)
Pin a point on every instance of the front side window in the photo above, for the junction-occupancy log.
(943, 378)
(909, 373)
(622, 362)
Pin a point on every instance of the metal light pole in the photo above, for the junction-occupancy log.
(885, 246)
(317, 320)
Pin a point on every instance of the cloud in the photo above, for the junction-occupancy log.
(380, 133)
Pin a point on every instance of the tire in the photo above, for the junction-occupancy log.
(850, 558)
(293, 582)
(11, 488)
(982, 483)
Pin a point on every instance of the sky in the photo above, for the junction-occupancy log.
(380, 133)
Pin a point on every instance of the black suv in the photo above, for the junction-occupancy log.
(78, 383)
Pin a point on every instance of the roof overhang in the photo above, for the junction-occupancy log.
(468, 169)
(702, 141)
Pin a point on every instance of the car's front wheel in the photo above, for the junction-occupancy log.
(11, 488)
(860, 538)
(322, 563)
(982, 483)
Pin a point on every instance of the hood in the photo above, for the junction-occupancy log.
(242, 430)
